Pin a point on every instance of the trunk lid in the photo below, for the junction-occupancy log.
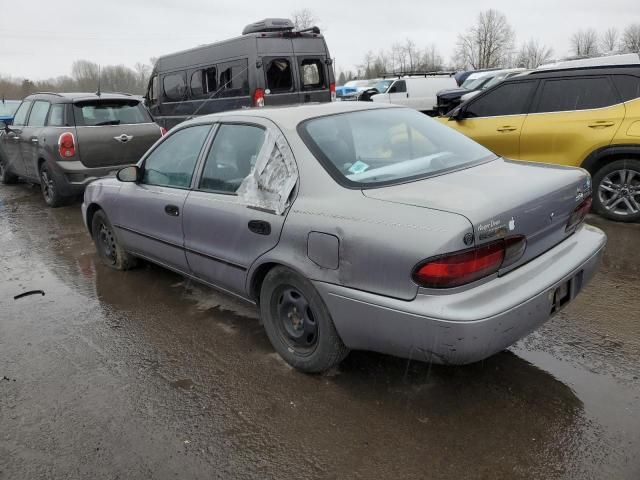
(113, 132)
(502, 198)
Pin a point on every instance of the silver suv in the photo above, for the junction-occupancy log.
(63, 141)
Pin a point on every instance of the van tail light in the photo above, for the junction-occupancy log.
(258, 97)
(66, 145)
(163, 131)
(332, 89)
(466, 266)
(579, 214)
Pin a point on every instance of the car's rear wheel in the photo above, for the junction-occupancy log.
(109, 249)
(298, 323)
(50, 189)
(6, 177)
(617, 190)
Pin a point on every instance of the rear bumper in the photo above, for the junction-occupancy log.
(470, 325)
(73, 176)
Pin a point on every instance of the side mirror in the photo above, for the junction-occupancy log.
(128, 174)
(457, 114)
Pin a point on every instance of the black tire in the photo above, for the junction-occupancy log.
(307, 338)
(107, 245)
(616, 190)
(6, 177)
(50, 189)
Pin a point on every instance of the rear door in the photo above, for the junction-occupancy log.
(32, 136)
(570, 118)
(12, 138)
(149, 214)
(495, 118)
(224, 234)
(113, 132)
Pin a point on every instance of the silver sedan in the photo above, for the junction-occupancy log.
(355, 226)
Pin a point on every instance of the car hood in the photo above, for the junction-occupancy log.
(502, 198)
(452, 92)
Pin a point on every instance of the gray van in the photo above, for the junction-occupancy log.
(270, 64)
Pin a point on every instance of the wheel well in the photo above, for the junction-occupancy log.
(258, 278)
(91, 211)
(593, 166)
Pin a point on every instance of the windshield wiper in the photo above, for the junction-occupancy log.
(109, 122)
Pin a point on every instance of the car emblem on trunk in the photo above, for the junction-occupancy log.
(124, 138)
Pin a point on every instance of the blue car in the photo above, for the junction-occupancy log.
(8, 109)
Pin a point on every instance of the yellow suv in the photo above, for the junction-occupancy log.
(582, 117)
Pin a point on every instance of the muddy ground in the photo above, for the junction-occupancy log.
(142, 374)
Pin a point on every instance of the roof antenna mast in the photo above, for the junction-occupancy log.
(98, 92)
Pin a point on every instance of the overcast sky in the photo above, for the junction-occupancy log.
(40, 39)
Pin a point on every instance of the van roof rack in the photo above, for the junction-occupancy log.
(417, 74)
(269, 25)
(47, 93)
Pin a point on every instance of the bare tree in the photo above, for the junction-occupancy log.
(532, 54)
(488, 43)
(584, 42)
(411, 54)
(609, 40)
(86, 75)
(631, 38)
(430, 59)
(303, 18)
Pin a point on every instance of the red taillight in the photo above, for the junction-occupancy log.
(163, 131)
(258, 97)
(579, 214)
(332, 89)
(466, 266)
(66, 145)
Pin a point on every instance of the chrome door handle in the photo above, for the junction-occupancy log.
(34, 140)
(506, 128)
(15, 138)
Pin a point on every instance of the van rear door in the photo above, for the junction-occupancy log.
(279, 69)
(314, 74)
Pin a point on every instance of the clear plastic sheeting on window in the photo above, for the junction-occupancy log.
(273, 177)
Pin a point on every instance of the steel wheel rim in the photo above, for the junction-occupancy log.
(296, 323)
(48, 188)
(619, 192)
(107, 243)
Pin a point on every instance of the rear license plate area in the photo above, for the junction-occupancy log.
(565, 292)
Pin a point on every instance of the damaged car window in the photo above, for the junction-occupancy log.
(231, 158)
(386, 146)
(279, 77)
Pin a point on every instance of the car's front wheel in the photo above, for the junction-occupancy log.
(617, 190)
(109, 249)
(6, 177)
(298, 323)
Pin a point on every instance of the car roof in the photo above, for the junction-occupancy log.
(290, 116)
(73, 97)
(581, 71)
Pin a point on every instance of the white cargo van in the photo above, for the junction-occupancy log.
(418, 92)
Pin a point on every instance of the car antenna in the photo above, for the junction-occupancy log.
(98, 92)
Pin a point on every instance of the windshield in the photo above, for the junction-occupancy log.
(383, 85)
(387, 145)
(109, 112)
(475, 83)
(8, 108)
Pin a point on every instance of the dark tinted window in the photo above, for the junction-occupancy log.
(507, 99)
(38, 114)
(232, 155)
(569, 94)
(312, 72)
(628, 86)
(110, 112)
(172, 163)
(279, 77)
(233, 79)
(174, 86)
(21, 114)
(56, 115)
(399, 87)
(210, 79)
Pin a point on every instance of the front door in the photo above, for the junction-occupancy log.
(571, 118)
(224, 235)
(12, 139)
(495, 119)
(398, 94)
(149, 214)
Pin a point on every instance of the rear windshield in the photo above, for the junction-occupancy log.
(377, 147)
(109, 112)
